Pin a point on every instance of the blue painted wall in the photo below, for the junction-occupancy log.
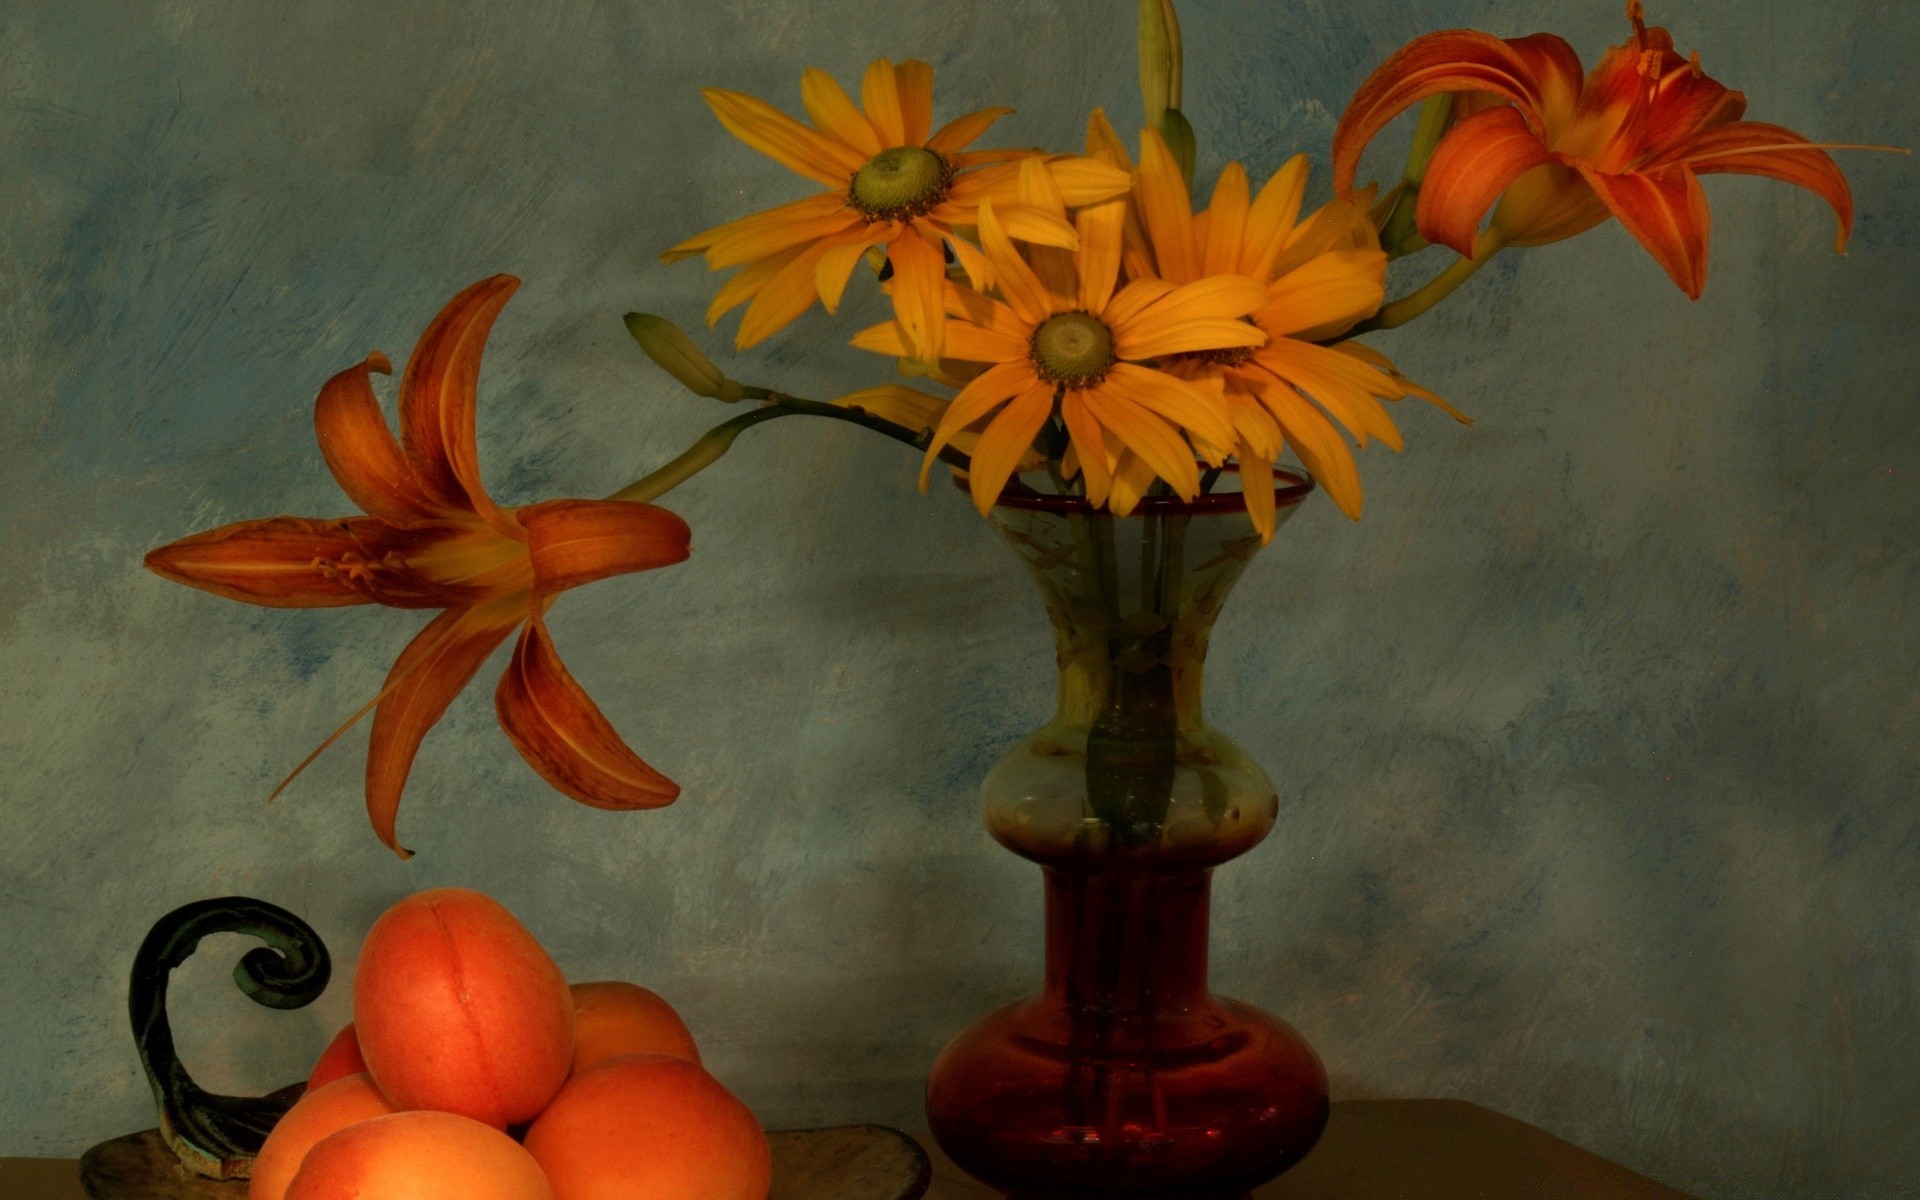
(1597, 736)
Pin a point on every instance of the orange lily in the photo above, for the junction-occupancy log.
(1568, 150)
(433, 538)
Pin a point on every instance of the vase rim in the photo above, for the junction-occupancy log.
(1290, 488)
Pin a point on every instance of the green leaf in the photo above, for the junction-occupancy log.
(1179, 137)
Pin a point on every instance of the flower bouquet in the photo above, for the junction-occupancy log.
(1136, 392)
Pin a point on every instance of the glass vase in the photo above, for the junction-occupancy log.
(1126, 1076)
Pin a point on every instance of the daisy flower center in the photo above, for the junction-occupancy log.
(900, 184)
(1231, 356)
(1074, 348)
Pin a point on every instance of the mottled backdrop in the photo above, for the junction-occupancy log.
(1597, 736)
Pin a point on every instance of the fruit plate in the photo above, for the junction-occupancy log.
(845, 1162)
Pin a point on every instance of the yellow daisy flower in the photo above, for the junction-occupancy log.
(892, 183)
(1323, 276)
(1067, 341)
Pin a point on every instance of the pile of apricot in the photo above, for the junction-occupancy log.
(472, 1071)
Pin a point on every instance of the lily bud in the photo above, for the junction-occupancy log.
(674, 352)
(1160, 64)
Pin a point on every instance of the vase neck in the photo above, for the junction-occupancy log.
(1127, 943)
(1132, 601)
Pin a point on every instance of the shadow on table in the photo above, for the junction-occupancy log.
(1450, 1150)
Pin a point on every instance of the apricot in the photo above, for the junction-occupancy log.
(419, 1156)
(459, 1009)
(322, 1112)
(650, 1125)
(614, 1019)
(340, 1059)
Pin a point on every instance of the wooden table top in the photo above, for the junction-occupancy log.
(1373, 1150)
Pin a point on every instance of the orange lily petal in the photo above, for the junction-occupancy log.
(438, 396)
(1477, 160)
(1757, 148)
(563, 735)
(1665, 211)
(1455, 60)
(441, 660)
(783, 139)
(360, 448)
(572, 542)
(281, 562)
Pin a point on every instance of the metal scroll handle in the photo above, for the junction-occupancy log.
(218, 1136)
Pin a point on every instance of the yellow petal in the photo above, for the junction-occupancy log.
(885, 338)
(1089, 446)
(919, 299)
(1199, 405)
(994, 387)
(1084, 181)
(880, 96)
(1318, 445)
(1166, 210)
(781, 299)
(783, 139)
(974, 343)
(1335, 289)
(1018, 283)
(1102, 228)
(1037, 225)
(898, 403)
(1214, 297)
(835, 114)
(1224, 236)
(1007, 439)
(1273, 216)
(1103, 144)
(961, 132)
(746, 284)
(914, 85)
(1149, 436)
(1156, 339)
(1034, 187)
(836, 265)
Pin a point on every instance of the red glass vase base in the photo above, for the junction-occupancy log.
(1126, 1079)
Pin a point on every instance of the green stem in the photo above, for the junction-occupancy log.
(1434, 290)
(714, 444)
